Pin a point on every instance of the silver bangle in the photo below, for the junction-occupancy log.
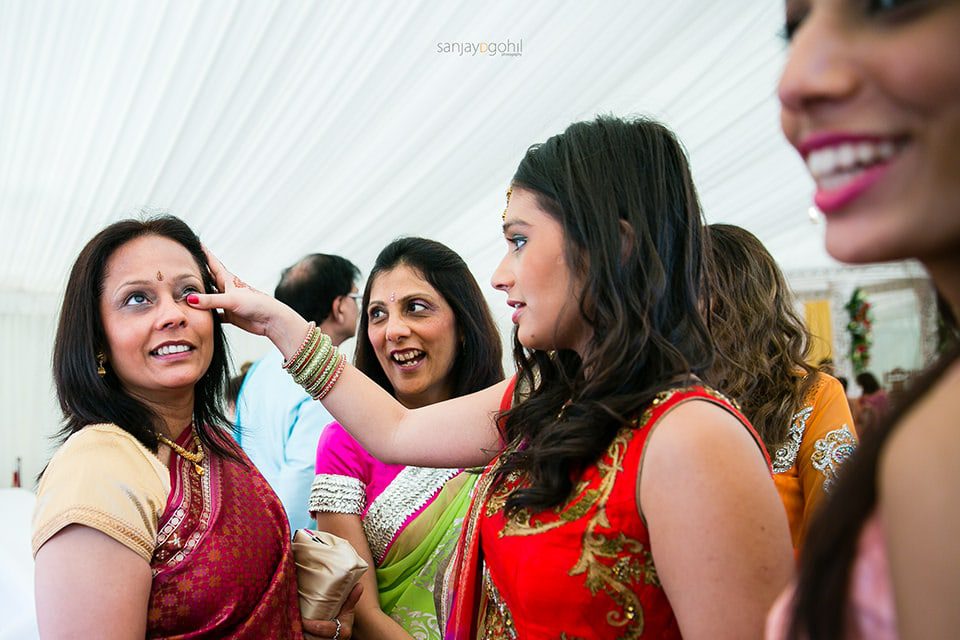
(336, 634)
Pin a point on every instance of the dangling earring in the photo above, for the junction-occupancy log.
(101, 359)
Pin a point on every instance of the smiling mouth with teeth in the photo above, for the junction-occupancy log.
(408, 358)
(834, 166)
(169, 349)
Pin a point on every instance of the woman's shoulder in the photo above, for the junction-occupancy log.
(824, 385)
(928, 430)
(697, 397)
(698, 412)
(104, 478)
(825, 407)
(110, 448)
(340, 454)
(702, 422)
(334, 438)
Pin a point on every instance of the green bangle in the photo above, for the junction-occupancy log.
(296, 360)
(314, 363)
(328, 367)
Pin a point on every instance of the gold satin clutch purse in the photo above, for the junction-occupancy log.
(328, 567)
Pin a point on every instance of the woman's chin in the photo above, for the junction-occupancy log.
(845, 242)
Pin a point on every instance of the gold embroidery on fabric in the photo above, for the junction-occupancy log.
(786, 455)
(498, 499)
(830, 452)
(522, 523)
(631, 561)
(713, 393)
(497, 622)
(627, 569)
(615, 579)
(171, 549)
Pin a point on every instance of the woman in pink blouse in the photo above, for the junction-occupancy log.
(426, 335)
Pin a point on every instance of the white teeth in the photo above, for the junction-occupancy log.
(840, 160)
(837, 180)
(407, 356)
(846, 156)
(171, 348)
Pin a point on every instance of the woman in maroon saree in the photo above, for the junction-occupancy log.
(150, 522)
(224, 534)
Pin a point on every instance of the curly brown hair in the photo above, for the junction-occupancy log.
(761, 342)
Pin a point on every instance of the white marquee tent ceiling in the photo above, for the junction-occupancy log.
(283, 128)
(280, 128)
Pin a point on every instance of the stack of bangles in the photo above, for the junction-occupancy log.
(317, 364)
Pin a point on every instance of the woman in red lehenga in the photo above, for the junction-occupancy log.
(624, 498)
(150, 522)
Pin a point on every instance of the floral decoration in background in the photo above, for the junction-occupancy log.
(861, 321)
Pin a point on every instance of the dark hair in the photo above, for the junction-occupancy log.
(311, 285)
(826, 365)
(820, 604)
(633, 230)
(86, 398)
(479, 361)
(843, 382)
(761, 342)
(868, 382)
(233, 385)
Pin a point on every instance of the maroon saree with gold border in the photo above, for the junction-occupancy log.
(222, 567)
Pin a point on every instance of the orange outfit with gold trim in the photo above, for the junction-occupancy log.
(821, 438)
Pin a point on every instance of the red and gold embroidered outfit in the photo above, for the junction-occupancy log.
(581, 570)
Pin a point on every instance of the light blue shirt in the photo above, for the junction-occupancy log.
(279, 425)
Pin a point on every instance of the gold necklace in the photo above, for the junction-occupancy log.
(195, 458)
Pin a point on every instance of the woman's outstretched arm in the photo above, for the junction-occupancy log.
(456, 433)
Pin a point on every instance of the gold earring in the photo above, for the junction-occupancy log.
(101, 359)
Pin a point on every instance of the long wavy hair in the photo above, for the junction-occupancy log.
(86, 398)
(479, 360)
(633, 233)
(761, 342)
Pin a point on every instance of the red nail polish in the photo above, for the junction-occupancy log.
(193, 299)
